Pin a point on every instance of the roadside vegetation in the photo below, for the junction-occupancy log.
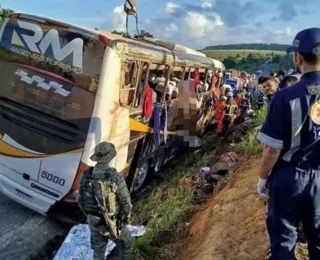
(251, 60)
(4, 14)
(249, 145)
(240, 54)
(250, 46)
(169, 207)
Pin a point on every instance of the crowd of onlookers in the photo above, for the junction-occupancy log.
(250, 96)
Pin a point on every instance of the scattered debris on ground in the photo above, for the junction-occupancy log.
(207, 179)
(231, 225)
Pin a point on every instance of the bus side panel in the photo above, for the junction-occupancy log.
(109, 122)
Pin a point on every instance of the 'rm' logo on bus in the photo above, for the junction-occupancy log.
(39, 43)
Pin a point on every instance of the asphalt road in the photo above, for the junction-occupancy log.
(23, 232)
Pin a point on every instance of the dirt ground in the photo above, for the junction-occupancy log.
(231, 226)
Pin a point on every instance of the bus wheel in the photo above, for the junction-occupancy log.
(159, 161)
(140, 176)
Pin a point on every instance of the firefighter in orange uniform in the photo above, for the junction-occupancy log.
(219, 113)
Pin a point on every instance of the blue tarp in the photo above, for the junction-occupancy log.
(76, 245)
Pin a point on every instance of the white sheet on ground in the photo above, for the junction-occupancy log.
(76, 245)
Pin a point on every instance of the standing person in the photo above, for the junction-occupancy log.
(231, 112)
(215, 80)
(246, 105)
(220, 107)
(261, 98)
(270, 86)
(289, 174)
(109, 187)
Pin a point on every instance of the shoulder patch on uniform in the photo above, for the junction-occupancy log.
(313, 89)
(315, 112)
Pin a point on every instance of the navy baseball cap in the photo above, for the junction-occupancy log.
(306, 41)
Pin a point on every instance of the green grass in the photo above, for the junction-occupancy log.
(222, 54)
(260, 116)
(165, 207)
(168, 206)
(249, 144)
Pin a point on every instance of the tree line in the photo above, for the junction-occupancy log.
(255, 61)
(250, 46)
(4, 13)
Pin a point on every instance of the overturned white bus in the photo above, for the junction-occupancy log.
(65, 89)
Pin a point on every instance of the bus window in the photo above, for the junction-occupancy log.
(142, 81)
(158, 81)
(173, 85)
(134, 75)
(129, 82)
(187, 74)
(165, 75)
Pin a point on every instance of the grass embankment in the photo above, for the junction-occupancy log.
(249, 144)
(169, 206)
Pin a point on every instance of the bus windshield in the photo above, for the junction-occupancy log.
(49, 76)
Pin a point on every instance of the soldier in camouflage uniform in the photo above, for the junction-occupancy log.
(110, 189)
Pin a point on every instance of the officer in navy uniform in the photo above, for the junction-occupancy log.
(290, 170)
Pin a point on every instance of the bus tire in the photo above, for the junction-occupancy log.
(140, 177)
(159, 161)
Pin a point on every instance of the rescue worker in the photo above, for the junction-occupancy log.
(290, 175)
(110, 189)
(231, 112)
(220, 107)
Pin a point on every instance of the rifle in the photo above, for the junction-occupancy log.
(104, 213)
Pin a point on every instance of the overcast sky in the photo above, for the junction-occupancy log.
(192, 23)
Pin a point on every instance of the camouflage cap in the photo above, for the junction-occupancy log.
(104, 152)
